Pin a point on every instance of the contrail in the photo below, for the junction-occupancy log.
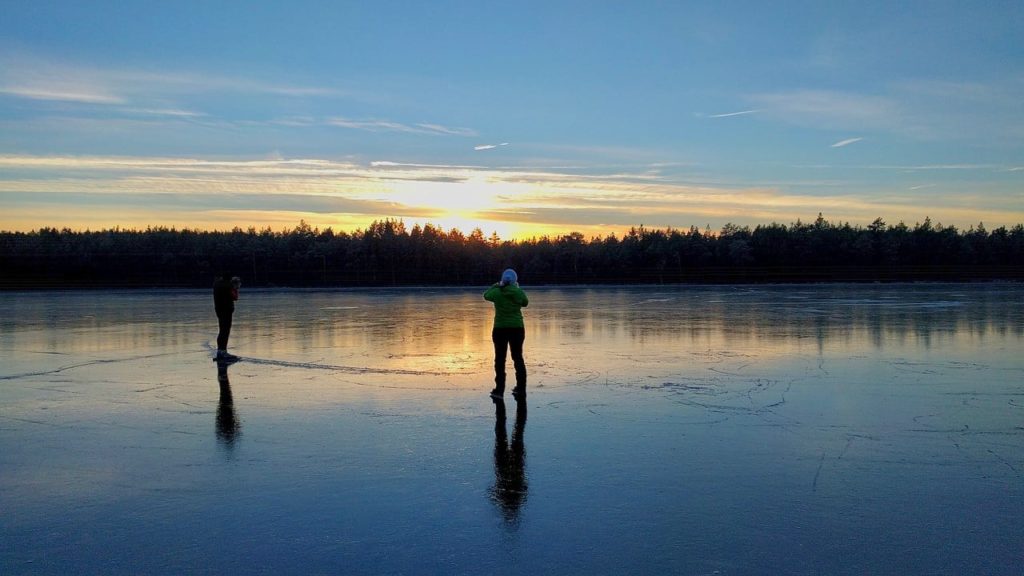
(846, 142)
(727, 114)
(489, 146)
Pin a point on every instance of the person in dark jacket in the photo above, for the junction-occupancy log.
(509, 331)
(225, 292)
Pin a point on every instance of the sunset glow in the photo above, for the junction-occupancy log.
(597, 129)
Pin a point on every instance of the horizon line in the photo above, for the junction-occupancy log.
(638, 227)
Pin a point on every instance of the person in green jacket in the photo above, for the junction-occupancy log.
(509, 332)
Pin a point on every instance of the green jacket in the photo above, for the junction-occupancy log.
(508, 300)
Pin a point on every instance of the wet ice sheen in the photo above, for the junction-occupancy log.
(840, 429)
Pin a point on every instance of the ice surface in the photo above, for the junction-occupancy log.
(837, 429)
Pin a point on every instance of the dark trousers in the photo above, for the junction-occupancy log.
(224, 320)
(509, 339)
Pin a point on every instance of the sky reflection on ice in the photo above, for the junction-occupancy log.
(789, 429)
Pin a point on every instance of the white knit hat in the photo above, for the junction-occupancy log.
(509, 276)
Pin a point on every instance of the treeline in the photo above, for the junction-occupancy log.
(387, 253)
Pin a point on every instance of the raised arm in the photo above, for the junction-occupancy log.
(520, 297)
(493, 293)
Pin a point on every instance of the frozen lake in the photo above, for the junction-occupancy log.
(837, 429)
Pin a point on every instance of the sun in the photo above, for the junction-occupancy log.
(462, 197)
(465, 204)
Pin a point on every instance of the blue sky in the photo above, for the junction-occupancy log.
(518, 117)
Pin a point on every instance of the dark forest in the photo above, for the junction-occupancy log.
(387, 253)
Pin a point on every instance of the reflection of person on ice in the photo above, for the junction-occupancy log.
(509, 490)
(509, 331)
(225, 292)
(228, 426)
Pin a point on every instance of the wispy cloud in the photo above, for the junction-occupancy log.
(918, 108)
(489, 146)
(912, 168)
(340, 191)
(830, 109)
(295, 121)
(439, 129)
(105, 91)
(730, 114)
(169, 112)
(846, 142)
(33, 77)
(62, 93)
(374, 125)
(415, 165)
(371, 125)
(975, 92)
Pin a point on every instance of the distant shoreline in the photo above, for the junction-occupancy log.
(731, 277)
(388, 254)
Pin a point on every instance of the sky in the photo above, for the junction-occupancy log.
(521, 118)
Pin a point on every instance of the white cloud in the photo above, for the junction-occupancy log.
(295, 121)
(370, 125)
(846, 142)
(54, 92)
(830, 109)
(930, 110)
(938, 167)
(730, 114)
(171, 112)
(489, 146)
(33, 78)
(478, 193)
(447, 130)
(374, 125)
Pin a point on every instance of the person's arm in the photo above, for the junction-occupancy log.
(521, 298)
(492, 293)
